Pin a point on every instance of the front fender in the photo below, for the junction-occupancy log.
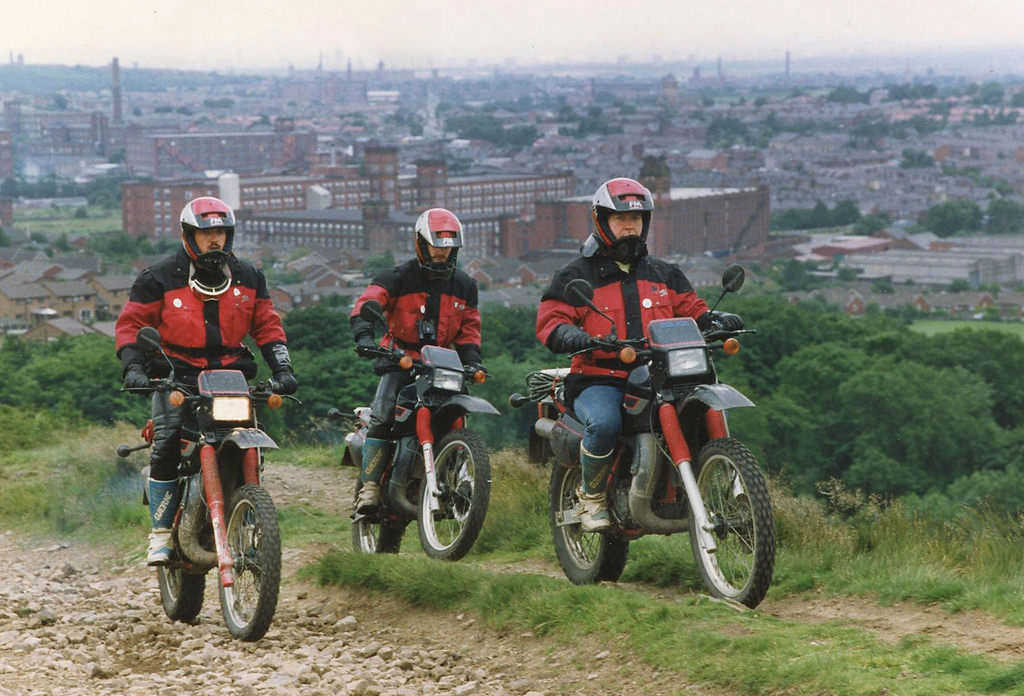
(247, 438)
(717, 396)
(469, 404)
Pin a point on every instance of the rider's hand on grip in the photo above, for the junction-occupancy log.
(574, 339)
(285, 382)
(727, 321)
(366, 346)
(135, 377)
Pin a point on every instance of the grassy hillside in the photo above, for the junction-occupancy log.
(842, 545)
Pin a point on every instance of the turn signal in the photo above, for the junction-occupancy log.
(730, 346)
(627, 354)
(175, 398)
(479, 376)
(405, 362)
(274, 401)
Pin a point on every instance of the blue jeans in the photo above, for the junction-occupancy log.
(599, 408)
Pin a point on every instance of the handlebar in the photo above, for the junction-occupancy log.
(403, 360)
(260, 392)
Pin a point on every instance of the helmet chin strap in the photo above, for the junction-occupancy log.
(205, 287)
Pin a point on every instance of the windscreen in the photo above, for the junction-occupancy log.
(668, 333)
(222, 382)
(437, 356)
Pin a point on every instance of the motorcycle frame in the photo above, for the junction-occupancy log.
(213, 466)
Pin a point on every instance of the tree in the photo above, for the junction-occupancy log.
(872, 223)
(951, 217)
(1004, 216)
(846, 212)
(378, 263)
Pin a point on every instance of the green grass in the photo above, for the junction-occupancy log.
(707, 641)
(53, 223)
(930, 327)
(73, 485)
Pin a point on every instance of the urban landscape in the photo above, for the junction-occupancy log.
(910, 182)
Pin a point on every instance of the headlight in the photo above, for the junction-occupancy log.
(688, 361)
(231, 408)
(448, 380)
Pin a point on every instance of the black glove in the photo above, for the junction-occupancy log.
(366, 345)
(567, 338)
(135, 377)
(286, 382)
(727, 321)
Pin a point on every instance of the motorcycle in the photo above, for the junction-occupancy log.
(439, 472)
(221, 460)
(674, 407)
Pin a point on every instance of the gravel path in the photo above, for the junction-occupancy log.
(76, 620)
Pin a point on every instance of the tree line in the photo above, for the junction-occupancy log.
(866, 400)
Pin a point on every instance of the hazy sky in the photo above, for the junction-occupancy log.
(230, 34)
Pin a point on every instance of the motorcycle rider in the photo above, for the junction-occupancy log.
(204, 301)
(632, 288)
(426, 301)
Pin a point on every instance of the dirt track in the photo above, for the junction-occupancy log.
(75, 623)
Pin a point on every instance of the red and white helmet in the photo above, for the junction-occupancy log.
(439, 228)
(203, 213)
(620, 196)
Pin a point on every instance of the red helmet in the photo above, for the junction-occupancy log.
(439, 228)
(620, 196)
(203, 213)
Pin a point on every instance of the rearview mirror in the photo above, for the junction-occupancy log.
(579, 292)
(148, 337)
(733, 277)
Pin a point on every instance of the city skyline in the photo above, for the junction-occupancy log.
(265, 34)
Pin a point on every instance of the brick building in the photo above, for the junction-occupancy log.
(373, 230)
(686, 221)
(184, 154)
(151, 208)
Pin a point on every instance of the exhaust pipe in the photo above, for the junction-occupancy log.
(191, 523)
(647, 462)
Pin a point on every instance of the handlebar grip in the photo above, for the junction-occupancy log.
(518, 400)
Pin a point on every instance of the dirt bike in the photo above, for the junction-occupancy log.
(673, 408)
(439, 472)
(221, 460)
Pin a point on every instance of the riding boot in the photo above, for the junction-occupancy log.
(593, 508)
(375, 456)
(163, 505)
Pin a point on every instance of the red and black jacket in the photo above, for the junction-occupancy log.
(410, 298)
(198, 334)
(652, 289)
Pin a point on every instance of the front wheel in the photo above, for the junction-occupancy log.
(585, 558)
(181, 593)
(254, 541)
(741, 522)
(464, 490)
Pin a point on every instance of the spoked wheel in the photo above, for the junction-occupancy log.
(585, 558)
(181, 593)
(370, 534)
(741, 523)
(464, 486)
(255, 544)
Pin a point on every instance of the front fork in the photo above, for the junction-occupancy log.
(682, 459)
(426, 438)
(214, 492)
